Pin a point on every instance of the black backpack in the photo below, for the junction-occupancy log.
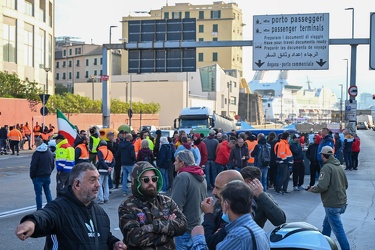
(264, 155)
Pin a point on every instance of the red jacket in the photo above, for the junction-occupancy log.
(223, 152)
(356, 145)
(203, 150)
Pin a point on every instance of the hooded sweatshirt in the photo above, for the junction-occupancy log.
(188, 147)
(73, 223)
(189, 190)
(144, 219)
(42, 162)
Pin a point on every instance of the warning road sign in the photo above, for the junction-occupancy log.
(291, 42)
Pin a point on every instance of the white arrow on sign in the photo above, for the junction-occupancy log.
(353, 91)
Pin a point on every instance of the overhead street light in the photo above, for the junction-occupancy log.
(46, 87)
(110, 32)
(352, 9)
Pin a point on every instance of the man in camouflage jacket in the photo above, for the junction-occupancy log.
(147, 219)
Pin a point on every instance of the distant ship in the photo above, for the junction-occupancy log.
(284, 102)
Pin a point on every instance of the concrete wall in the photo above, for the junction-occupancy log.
(13, 111)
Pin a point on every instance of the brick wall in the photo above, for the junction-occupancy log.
(13, 111)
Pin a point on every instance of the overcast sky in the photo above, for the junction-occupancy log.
(90, 21)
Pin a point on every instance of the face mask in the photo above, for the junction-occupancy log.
(225, 218)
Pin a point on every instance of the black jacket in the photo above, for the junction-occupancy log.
(236, 154)
(3, 133)
(42, 162)
(74, 224)
(126, 150)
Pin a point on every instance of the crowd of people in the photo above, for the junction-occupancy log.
(13, 138)
(239, 168)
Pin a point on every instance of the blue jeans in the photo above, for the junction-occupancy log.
(217, 169)
(126, 170)
(3, 145)
(264, 177)
(348, 159)
(282, 178)
(184, 242)
(210, 165)
(164, 174)
(104, 189)
(332, 221)
(39, 184)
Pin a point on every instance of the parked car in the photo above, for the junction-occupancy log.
(362, 125)
(166, 133)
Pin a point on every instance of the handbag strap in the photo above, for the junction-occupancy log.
(252, 238)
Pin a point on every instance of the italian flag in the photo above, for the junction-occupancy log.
(65, 128)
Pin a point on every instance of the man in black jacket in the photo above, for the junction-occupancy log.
(41, 167)
(75, 221)
(127, 152)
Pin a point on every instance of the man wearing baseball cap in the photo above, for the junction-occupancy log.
(332, 188)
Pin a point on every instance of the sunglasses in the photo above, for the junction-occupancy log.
(146, 179)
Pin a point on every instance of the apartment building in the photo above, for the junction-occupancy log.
(79, 62)
(27, 40)
(219, 21)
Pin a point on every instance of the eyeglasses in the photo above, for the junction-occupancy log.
(146, 179)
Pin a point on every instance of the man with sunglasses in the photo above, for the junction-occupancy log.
(149, 220)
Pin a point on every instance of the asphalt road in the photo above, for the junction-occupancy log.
(17, 199)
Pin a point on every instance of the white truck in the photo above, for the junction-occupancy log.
(366, 118)
(201, 120)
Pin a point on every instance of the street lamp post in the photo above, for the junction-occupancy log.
(92, 86)
(352, 9)
(341, 85)
(46, 87)
(347, 78)
(229, 88)
(110, 32)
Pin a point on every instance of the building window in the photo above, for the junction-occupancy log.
(101, 61)
(70, 75)
(95, 72)
(11, 4)
(77, 75)
(77, 63)
(29, 8)
(9, 39)
(57, 76)
(215, 28)
(28, 45)
(87, 74)
(214, 39)
(200, 39)
(187, 14)
(64, 53)
(64, 64)
(200, 57)
(64, 76)
(166, 15)
(201, 14)
(176, 15)
(78, 51)
(215, 14)
(57, 65)
(70, 52)
(42, 49)
(201, 28)
(87, 62)
(95, 61)
(214, 56)
(70, 63)
(101, 72)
